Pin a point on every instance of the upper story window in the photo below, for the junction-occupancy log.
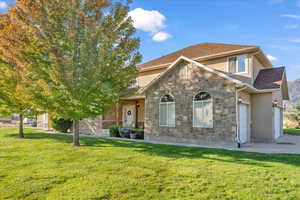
(241, 65)
(167, 111)
(238, 64)
(134, 83)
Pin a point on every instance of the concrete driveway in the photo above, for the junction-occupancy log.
(286, 144)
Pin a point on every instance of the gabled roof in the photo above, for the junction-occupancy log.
(196, 51)
(269, 78)
(221, 74)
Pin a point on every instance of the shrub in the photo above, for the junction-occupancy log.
(139, 133)
(114, 131)
(61, 125)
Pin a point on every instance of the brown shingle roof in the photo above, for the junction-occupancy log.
(269, 78)
(195, 51)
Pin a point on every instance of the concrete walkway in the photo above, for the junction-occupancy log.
(285, 145)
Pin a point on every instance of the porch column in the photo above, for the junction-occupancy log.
(136, 114)
(117, 114)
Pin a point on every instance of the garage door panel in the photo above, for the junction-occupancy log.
(277, 122)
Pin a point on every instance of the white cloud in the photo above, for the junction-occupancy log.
(148, 21)
(296, 40)
(291, 16)
(3, 5)
(161, 36)
(291, 26)
(272, 58)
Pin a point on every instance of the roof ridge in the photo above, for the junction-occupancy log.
(194, 51)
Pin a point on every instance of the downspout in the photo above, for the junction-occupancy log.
(237, 115)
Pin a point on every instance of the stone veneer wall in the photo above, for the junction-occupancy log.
(92, 127)
(183, 89)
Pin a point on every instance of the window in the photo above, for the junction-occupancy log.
(238, 64)
(134, 83)
(167, 111)
(241, 64)
(203, 110)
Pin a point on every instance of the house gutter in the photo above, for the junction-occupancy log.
(237, 115)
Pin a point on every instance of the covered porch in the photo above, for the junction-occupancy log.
(128, 113)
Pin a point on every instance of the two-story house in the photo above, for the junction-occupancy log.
(204, 94)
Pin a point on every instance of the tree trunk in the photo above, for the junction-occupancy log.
(76, 133)
(21, 130)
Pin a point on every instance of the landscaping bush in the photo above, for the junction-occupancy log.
(61, 125)
(139, 133)
(114, 131)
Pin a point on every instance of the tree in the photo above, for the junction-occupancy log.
(80, 60)
(14, 96)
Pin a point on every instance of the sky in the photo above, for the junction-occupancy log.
(165, 26)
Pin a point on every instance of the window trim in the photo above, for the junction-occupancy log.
(212, 106)
(159, 109)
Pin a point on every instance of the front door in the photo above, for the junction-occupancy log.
(277, 122)
(243, 125)
(129, 116)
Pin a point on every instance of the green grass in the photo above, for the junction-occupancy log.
(45, 166)
(292, 131)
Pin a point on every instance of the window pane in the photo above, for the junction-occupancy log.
(171, 114)
(242, 63)
(163, 115)
(207, 111)
(198, 113)
(203, 114)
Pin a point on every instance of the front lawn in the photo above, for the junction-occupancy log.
(45, 166)
(292, 131)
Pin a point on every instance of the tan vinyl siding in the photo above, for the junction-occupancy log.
(257, 66)
(145, 78)
(277, 95)
(217, 64)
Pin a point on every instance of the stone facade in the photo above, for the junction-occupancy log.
(183, 89)
(92, 127)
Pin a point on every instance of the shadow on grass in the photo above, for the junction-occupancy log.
(176, 152)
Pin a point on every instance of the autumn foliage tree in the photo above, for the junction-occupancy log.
(14, 94)
(79, 60)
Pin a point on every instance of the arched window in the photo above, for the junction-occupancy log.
(203, 110)
(167, 111)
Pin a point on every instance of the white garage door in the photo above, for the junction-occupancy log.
(243, 125)
(277, 122)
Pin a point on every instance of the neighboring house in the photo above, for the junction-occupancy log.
(204, 94)
(43, 121)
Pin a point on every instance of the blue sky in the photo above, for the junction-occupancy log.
(168, 25)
